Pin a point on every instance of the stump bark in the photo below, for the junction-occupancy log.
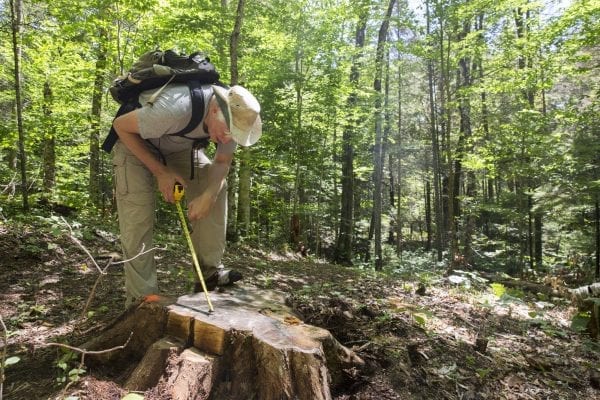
(251, 347)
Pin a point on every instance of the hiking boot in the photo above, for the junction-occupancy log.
(227, 277)
(223, 277)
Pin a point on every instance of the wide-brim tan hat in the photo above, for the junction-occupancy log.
(242, 113)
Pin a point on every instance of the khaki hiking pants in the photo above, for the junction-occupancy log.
(136, 202)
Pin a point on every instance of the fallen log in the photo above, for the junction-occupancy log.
(251, 347)
(550, 290)
(584, 292)
(586, 298)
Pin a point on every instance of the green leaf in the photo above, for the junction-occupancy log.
(133, 396)
(483, 372)
(11, 361)
(420, 318)
(580, 321)
(498, 289)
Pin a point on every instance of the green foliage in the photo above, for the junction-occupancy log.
(133, 396)
(11, 361)
(498, 289)
(535, 135)
(580, 321)
(70, 369)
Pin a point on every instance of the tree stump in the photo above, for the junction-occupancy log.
(251, 347)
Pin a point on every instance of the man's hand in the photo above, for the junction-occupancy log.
(200, 207)
(166, 180)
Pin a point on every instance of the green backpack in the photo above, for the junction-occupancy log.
(155, 70)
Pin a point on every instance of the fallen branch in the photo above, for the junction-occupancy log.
(101, 271)
(531, 287)
(85, 352)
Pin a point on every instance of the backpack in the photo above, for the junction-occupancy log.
(155, 70)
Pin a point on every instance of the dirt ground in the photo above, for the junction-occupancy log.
(421, 338)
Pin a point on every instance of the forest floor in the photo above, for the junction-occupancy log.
(423, 336)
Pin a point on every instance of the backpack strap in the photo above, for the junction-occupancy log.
(197, 96)
(198, 106)
(112, 137)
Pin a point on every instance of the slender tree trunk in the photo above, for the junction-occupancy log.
(597, 218)
(232, 176)
(538, 243)
(16, 8)
(449, 184)
(244, 185)
(465, 148)
(232, 189)
(94, 188)
(530, 230)
(437, 209)
(379, 156)
(245, 173)
(488, 184)
(344, 241)
(399, 181)
(522, 30)
(399, 141)
(392, 195)
(49, 142)
(538, 225)
(428, 221)
(295, 226)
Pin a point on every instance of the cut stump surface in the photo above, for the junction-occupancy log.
(251, 347)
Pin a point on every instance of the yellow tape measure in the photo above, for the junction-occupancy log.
(178, 193)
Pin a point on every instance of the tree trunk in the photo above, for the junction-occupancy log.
(378, 155)
(245, 172)
(232, 176)
(399, 181)
(344, 241)
(16, 8)
(597, 220)
(232, 190)
(538, 244)
(237, 352)
(392, 195)
(428, 221)
(298, 145)
(465, 147)
(437, 209)
(243, 207)
(94, 188)
(448, 182)
(49, 142)
(530, 231)
(488, 185)
(522, 30)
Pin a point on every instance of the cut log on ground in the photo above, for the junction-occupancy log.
(530, 287)
(251, 347)
(585, 292)
(586, 298)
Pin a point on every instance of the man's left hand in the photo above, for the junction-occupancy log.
(200, 207)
